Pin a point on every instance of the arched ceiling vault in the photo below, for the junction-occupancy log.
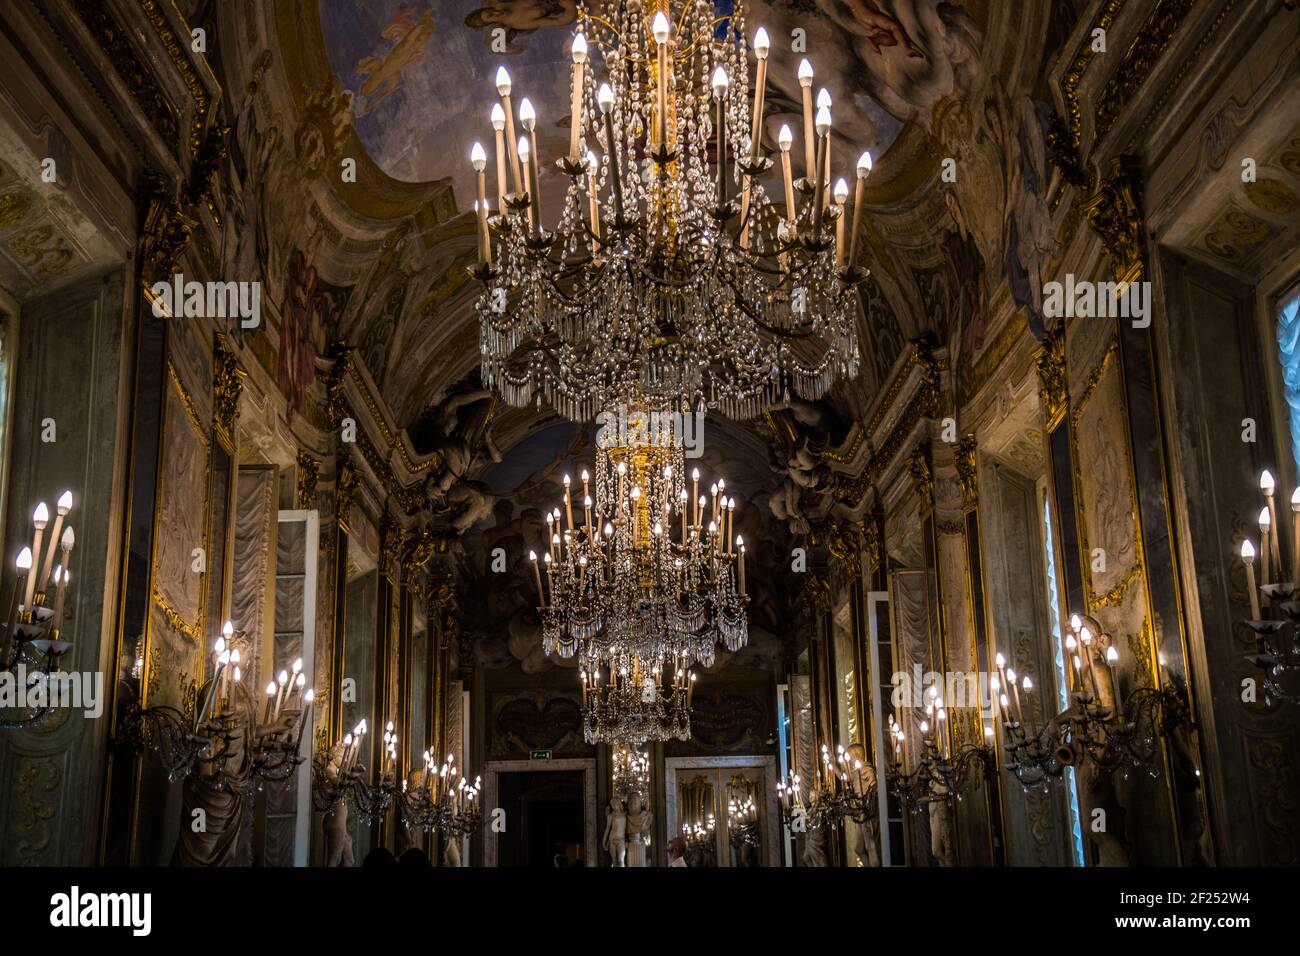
(399, 235)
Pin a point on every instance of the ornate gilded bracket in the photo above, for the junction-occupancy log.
(308, 475)
(966, 471)
(227, 385)
(1115, 214)
(1052, 384)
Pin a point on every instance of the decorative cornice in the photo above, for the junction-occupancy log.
(139, 79)
(1065, 137)
(1138, 62)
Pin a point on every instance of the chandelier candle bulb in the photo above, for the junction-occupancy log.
(499, 127)
(761, 46)
(503, 88)
(61, 509)
(841, 197)
(720, 84)
(568, 502)
(478, 159)
(1265, 523)
(579, 53)
(1295, 537)
(1248, 559)
(740, 545)
(784, 140)
(40, 518)
(593, 201)
(809, 140)
(1112, 663)
(528, 117)
(864, 168)
(65, 546)
(1267, 485)
(525, 158)
(824, 103)
(819, 187)
(660, 30)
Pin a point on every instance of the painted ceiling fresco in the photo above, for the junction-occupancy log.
(420, 72)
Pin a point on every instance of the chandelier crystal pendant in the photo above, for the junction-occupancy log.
(669, 275)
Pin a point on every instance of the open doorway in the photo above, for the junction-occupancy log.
(545, 818)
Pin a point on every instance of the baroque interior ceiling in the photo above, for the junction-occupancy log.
(380, 261)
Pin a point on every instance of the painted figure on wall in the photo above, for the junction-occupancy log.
(300, 321)
(408, 33)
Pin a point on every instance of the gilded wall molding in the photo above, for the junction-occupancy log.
(308, 476)
(967, 475)
(1138, 62)
(164, 234)
(139, 80)
(918, 463)
(1053, 387)
(1066, 134)
(227, 386)
(345, 490)
(1115, 214)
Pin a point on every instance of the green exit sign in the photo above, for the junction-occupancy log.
(539, 755)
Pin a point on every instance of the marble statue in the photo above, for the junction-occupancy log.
(639, 822)
(615, 840)
(866, 835)
(451, 852)
(814, 847)
(212, 809)
(338, 838)
(939, 807)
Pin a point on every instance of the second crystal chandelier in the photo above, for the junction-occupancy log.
(670, 276)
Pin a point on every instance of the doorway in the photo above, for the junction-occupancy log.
(545, 818)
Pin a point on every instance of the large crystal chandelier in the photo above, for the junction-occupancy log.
(669, 275)
(642, 568)
(643, 578)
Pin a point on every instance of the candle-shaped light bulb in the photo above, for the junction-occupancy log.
(823, 122)
(1000, 660)
(527, 115)
(720, 82)
(605, 98)
(25, 559)
(785, 138)
(503, 81)
(270, 692)
(823, 99)
(1247, 551)
(41, 516)
(1266, 483)
(1265, 521)
(498, 117)
(69, 539)
(841, 192)
(64, 504)
(1112, 655)
(762, 43)
(579, 51)
(659, 27)
(478, 157)
(228, 629)
(1027, 684)
(805, 73)
(524, 150)
(1075, 622)
(864, 165)
(297, 665)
